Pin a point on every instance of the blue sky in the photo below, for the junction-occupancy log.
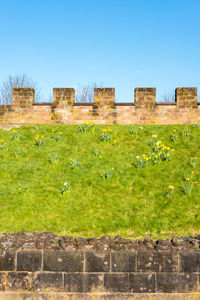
(120, 43)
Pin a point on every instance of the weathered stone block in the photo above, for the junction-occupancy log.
(23, 97)
(7, 260)
(97, 262)
(176, 283)
(29, 260)
(142, 283)
(63, 261)
(145, 97)
(167, 283)
(189, 262)
(74, 282)
(123, 261)
(187, 283)
(49, 281)
(82, 282)
(104, 96)
(186, 97)
(17, 281)
(116, 282)
(63, 97)
(157, 262)
(93, 283)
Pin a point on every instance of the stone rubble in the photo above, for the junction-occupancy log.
(47, 240)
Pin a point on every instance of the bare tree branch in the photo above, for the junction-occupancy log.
(85, 94)
(16, 81)
(168, 96)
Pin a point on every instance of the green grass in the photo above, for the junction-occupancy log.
(108, 194)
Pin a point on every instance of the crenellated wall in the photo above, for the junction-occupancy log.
(143, 110)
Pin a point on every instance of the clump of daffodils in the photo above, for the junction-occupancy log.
(160, 152)
(141, 161)
(188, 186)
(133, 130)
(169, 191)
(147, 158)
(107, 173)
(16, 134)
(57, 135)
(86, 127)
(193, 162)
(106, 135)
(39, 140)
(171, 187)
(174, 136)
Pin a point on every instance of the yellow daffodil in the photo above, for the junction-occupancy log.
(171, 187)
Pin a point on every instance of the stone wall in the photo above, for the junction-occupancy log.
(143, 110)
(45, 266)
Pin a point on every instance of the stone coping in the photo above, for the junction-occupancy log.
(50, 241)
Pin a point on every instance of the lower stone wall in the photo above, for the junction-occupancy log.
(64, 296)
(45, 266)
(116, 114)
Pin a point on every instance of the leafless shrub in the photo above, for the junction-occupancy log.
(16, 81)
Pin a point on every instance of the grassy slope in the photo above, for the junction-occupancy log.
(131, 203)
